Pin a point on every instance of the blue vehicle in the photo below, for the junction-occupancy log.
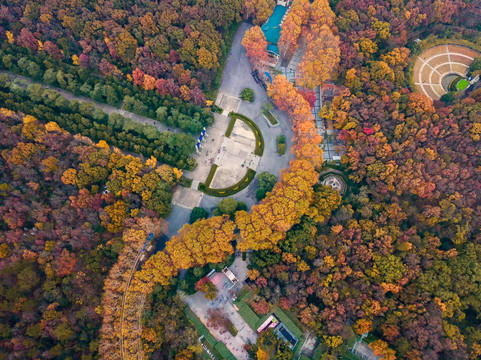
(147, 242)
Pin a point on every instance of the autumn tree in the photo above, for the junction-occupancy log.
(258, 10)
(320, 60)
(291, 29)
(207, 287)
(255, 44)
(188, 248)
(320, 14)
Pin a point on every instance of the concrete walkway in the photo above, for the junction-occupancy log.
(236, 77)
(108, 109)
(200, 306)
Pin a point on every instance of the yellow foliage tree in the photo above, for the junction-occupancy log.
(320, 60)
(75, 60)
(10, 37)
(69, 177)
(205, 241)
(255, 44)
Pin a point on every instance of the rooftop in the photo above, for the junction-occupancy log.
(272, 28)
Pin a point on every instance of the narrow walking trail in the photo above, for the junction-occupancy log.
(108, 109)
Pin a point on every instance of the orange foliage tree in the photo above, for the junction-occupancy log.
(306, 137)
(381, 348)
(258, 10)
(284, 206)
(291, 29)
(321, 14)
(255, 44)
(321, 58)
(291, 197)
(205, 241)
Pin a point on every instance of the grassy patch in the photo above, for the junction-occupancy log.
(243, 293)
(218, 349)
(255, 321)
(231, 328)
(288, 321)
(248, 314)
(462, 84)
(231, 190)
(281, 144)
(201, 329)
(224, 353)
(231, 126)
(211, 175)
(255, 129)
(270, 117)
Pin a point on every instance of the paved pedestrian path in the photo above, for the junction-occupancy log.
(108, 109)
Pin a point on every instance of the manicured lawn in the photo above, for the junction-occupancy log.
(245, 291)
(281, 144)
(288, 322)
(248, 314)
(270, 117)
(255, 321)
(224, 352)
(462, 84)
(218, 349)
(201, 329)
(210, 176)
(231, 126)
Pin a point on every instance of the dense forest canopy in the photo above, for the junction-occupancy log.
(397, 256)
(63, 205)
(179, 42)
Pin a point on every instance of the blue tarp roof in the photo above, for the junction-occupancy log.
(273, 48)
(272, 28)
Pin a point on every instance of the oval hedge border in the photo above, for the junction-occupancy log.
(249, 176)
(255, 129)
(231, 190)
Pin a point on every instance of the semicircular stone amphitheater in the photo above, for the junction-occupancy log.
(436, 67)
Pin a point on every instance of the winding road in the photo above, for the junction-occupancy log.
(236, 77)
